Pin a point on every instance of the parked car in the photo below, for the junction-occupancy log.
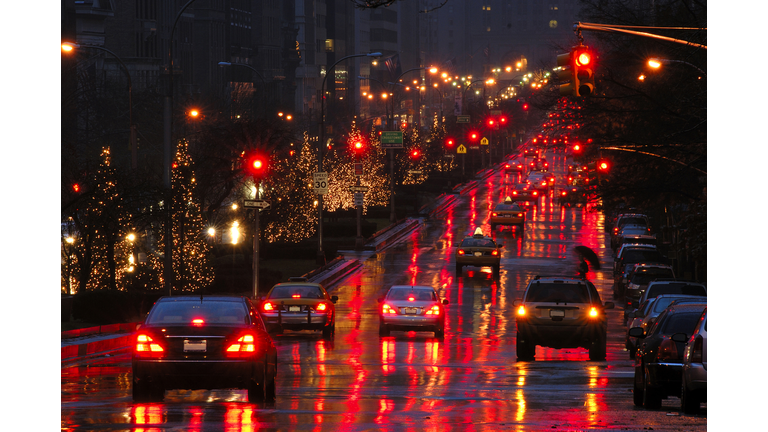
(203, 342)
(655, 306)
(636, 239)
(635, 319)
(658, 362)
(640, 276)
(660, 286)
(299, 305)
(693, 390)
(561, 312)
(628, 219)
(628, 256)
(411, 307)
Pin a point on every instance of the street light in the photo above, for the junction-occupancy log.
(321, 144)
(656, 63)
(69, 47)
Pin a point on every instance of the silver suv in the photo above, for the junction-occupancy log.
(561, 312)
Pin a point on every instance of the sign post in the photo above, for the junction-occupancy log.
(320, 182)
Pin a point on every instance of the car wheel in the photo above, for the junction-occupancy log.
(637, 392)
(689, 403)
(651, 397)
(526, 350)
(598, 349)
(256, 390)
(271, 389)
(329, 331)
(440, 333)
(383, 330)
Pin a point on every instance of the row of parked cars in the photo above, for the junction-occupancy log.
(665, 317)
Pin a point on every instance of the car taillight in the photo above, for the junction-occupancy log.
(521, 310)
(495, 252)
(535, 193)
(593, 312)
(147, 347)
(514, 193)
(563, 193)
(387, 309)
(268, 307)
(434, 310)
(667, 350)
(321, 307)
(495, 214)
(198, 322)
(244, 346)
(461, 252)
(519, 215)
(697, 352)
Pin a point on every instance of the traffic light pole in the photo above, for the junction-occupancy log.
(256, 249)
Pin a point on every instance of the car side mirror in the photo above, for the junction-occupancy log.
(637, 332)
(445, 301)
(334, 299)
(680, 337)
(609, 305)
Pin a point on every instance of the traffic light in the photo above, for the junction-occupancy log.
(502, 121)
(584, 61)
(474, 136)
(567, 74)
(603, 165)
(76, 188)
(415, 154)
(449, 143)
(358, 147)
(577, 148)
(256, 164)
(491, 122)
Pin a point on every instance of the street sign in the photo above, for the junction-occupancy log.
(358, 169)
(358, 188)
(474, 147)
(462, 119)
(359, 198)
(260, 204)
(495, 112)
(414, 172)
(461, 149)
(320, 180)
(391, 139)
(484, 141)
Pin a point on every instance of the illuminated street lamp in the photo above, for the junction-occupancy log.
(656, 63)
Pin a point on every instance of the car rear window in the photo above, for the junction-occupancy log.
(403, 293)
(296, 291)
(633, 221)
(558, 293)
(682, 322)
(640, 255)
(473, 242)
(673, 288)
(646, 276)
(210, 311)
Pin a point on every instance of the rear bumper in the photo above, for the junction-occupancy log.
(507, 221)
(562, 336)
(418, 322)
(478, 261)
(197, 374)
(297, 321)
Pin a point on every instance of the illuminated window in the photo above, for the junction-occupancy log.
(553, 24)
(329, 45)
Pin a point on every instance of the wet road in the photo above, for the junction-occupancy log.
(470, 381)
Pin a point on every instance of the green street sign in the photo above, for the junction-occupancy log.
(462, 119)
(391, 139)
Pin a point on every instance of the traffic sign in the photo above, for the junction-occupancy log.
(359, 198)
(484, 141)
(391, 139)
(358, 169)
(260, 204)
(461, 149)
(462, 119)
(416, 172)
(358, 188)
(320, 180)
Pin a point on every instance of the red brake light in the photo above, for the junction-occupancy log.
(296, 296)
(697, 352)
(268, 307)
(495, 252)
(434, 310)
(147, 347)
(321, 307)
(387, 309)
(243, 347)
(461, 252)
(198, 322)
(411, 298)
(521, 310)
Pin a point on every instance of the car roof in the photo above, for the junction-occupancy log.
(682, 308)
(201, 298)
(654, 265)
(674, 281)
(628, 246)
(564, 279)
(412, 287)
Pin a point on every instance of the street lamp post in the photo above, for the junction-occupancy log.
(321, 144)
(69, 46)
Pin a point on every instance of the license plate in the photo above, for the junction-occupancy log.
(195, 346)
(478, 254)
(507, 215)
(411, 310)
(556, 313)
(294, 309)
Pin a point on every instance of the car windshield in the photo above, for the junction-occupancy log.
(558, 293)
(210, 311)
(473, 242)
(633, 221)
(647, 275)
(683, 322)
(296, 291)
(676, 288)
(404, 293)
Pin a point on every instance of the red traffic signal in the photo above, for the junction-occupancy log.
(503, 121)
(491, 122)
(450, 142)
(474, 136)
(415, 154)
(76, 188)
(603, 165)
(256, 165)
(577, 148)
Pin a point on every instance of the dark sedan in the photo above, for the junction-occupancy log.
(203, 342)
(659, 358)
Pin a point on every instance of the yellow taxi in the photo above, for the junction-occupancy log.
(478, 250)
(299, 305)
(507, 213)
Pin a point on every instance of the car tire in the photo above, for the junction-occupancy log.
(271, 389)
(598, 349)
(637, 391)
(526, 350)
(329, 331)
(440, 332)
(256, 390)
(651, 396)
(689, 402)
(383, 330)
